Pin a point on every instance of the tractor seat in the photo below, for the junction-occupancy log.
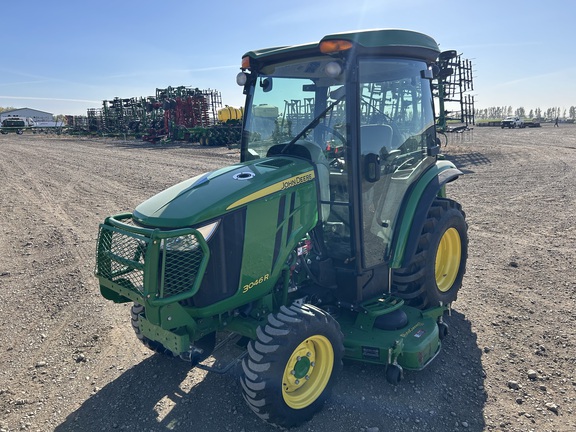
(394, 320)
(376, 139)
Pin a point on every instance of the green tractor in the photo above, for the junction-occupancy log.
(331, 239)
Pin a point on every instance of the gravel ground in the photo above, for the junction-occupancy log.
(70, 362)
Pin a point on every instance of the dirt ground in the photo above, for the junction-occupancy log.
(69, 360)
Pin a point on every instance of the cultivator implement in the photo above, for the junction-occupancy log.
(173, 113)
(77, 125)
(185, 108)
(453, 92)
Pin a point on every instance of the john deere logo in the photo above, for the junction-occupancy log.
(295, 181)
(276, 187)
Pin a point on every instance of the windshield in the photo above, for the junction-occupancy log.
(296, 100)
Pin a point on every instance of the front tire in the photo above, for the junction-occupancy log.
(292, 365)
(436, 271)
(135, 312)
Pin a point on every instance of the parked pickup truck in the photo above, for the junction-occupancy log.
(12, 125)
(512, 122)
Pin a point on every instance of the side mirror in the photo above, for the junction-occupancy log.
(266, 84)
(427, 74)
(372, 167)
(447, 55)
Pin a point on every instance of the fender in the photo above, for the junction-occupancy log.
(416, 207)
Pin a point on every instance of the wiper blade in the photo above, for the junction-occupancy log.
(312, 124)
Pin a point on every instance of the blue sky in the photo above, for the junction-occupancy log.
(66, 56)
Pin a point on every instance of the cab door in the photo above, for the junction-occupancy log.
(396, 128)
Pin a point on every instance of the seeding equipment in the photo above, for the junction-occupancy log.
(332, 237)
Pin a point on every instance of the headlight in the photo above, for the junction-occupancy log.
(189, 242)
(241, 79)
(333, 69)
(208, 231)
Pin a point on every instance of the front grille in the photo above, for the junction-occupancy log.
(162, 266)
(120, 258)
(180, 266)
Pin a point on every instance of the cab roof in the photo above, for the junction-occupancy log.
(404, 43)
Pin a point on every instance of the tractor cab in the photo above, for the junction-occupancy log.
(361, 112)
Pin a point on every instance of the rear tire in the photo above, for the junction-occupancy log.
(436, 271)
(292, 365)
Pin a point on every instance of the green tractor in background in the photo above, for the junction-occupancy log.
(331, 239)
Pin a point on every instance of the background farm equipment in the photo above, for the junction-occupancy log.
(226, 131)
(172, 114)
(453, 93)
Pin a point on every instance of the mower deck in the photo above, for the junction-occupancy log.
(388, 332)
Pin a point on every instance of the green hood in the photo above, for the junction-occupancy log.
(212, 194)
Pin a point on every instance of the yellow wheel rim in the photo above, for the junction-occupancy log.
(307, 372)
(448, 259)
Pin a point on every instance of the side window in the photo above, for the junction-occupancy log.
(402, 104)
(396, 125)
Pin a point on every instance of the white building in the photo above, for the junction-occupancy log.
(28, 113)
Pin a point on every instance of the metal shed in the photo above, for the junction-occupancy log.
(25, 113)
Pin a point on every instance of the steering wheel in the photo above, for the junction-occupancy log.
(334, 157)
(330, 130)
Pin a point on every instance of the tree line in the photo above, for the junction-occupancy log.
(537, 113)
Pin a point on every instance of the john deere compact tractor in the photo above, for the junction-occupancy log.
(332, 238)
